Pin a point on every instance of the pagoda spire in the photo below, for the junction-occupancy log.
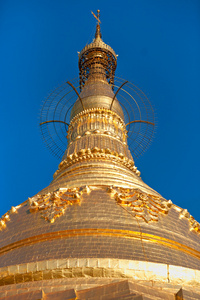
(97, 59)
(98, 34)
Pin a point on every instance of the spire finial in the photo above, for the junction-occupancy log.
(98, 16)
(98, 30)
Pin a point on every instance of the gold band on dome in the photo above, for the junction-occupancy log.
(115, 233)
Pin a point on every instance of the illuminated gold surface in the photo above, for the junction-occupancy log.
(102, 232)
(97, 93)
(142, 205)
(98, 288)
(109, 219)
(97, 118)
(99, 268)
(99, 169)
(96, 153)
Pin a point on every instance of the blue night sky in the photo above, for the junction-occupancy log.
(158, 43)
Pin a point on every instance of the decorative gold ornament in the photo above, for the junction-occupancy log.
(104, 127)
(99, 114)
(85, 154)
(140, 204)
(194, 225)
(6, 217)
(53, 205)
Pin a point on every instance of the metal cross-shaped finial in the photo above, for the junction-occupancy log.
(98, 16)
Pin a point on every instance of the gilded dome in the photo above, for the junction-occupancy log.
(105, 231)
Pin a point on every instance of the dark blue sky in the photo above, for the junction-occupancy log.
(158, 43)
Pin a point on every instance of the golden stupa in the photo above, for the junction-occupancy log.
(98, 231)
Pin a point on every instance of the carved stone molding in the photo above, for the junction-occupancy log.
(141, 205)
